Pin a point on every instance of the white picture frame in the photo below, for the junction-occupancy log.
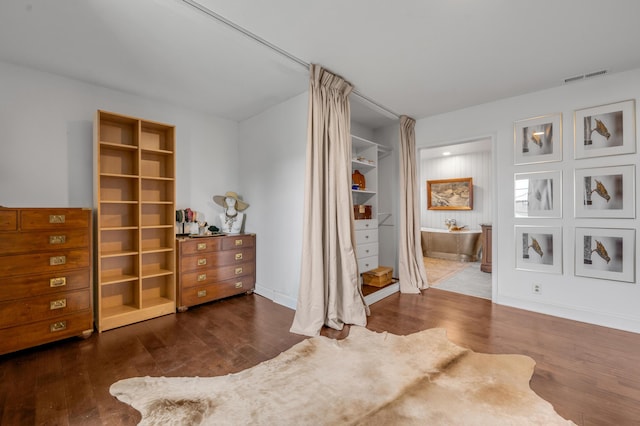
(605, 130)
(538, 139)
(605, 253)
(539, 248)
(605, 192)
(538, 194)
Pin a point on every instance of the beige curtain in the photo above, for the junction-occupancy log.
(413, 277)
(329, 292)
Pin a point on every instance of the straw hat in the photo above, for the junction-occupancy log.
(240, 205)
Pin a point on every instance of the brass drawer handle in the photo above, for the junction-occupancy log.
(56, 218)
(57, 239)
(238, 242)
(239, 270)
(58, 282)
(238, 256)
(202, 246)
(202, 261)
(58, 326)
(202, 293)
(57, 260)
(239, 284)
(202, 277)
(58, 304)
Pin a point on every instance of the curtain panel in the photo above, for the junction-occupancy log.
(411, 273)
(329, 292)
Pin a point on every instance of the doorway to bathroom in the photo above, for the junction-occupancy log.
(468, 159)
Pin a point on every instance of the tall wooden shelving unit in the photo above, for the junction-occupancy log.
(134, 164)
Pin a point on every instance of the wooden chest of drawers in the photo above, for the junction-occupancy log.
(212, 268)
(45, 276)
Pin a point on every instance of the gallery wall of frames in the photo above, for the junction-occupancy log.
(603, 252)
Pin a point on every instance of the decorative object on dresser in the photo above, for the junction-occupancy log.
(232, 220)
(45, 276)
(211, 268)
(135, 201)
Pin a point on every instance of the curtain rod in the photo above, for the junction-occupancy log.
(280, 51)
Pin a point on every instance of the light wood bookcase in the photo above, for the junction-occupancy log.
(134, 164)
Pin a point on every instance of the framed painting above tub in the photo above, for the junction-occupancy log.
(450, 194)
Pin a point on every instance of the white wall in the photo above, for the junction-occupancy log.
(273, 148)
(46, 136)
(604, 302)
(476, 165)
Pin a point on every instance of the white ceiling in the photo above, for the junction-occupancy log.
(413, 57)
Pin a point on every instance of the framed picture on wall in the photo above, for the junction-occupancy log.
(605, 130)
(606, 253)
(605, 192)
(538, 194)
(450, 194)
(539, 248)
(538, 139)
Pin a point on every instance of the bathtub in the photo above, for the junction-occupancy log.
(464, 245)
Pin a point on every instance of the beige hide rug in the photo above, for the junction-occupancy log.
(366, 379)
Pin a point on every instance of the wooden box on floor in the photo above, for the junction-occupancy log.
(378, 277)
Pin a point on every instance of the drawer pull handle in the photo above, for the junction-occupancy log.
(239, 284)
(57, 239)
(239, 270)
(202, 246)
(367, 251)
(202, 261)
(202, 277)
(366, 225)
(56, 218)
(238, 242)
(58, 282)
(58, 326)
(57, 260)
(58, 304)
(238, 256)
(366, 237)
(202, 293)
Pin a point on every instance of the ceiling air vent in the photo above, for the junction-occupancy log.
(581, 77)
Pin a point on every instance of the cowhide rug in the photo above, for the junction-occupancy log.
(366, 379)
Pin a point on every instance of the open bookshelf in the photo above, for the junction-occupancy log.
(135, 214)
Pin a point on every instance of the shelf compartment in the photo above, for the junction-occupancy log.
(118, 215)
(120, 298)
(118, 242)
(118, 129)
(118, 189)
(156, 190)
(157, 264)
(156, 239)
(154, 164)
(154, 136)
(118, 162)
(118, 269)
(157, 215)
(158, 290)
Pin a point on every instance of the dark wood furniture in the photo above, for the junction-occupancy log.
(45, 276)
(485, 266)
(211, 268)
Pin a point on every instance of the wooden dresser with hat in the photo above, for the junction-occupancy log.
(214, 267)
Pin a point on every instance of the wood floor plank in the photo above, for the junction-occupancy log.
(587, 372)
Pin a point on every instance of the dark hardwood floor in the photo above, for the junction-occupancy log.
(589, 373)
